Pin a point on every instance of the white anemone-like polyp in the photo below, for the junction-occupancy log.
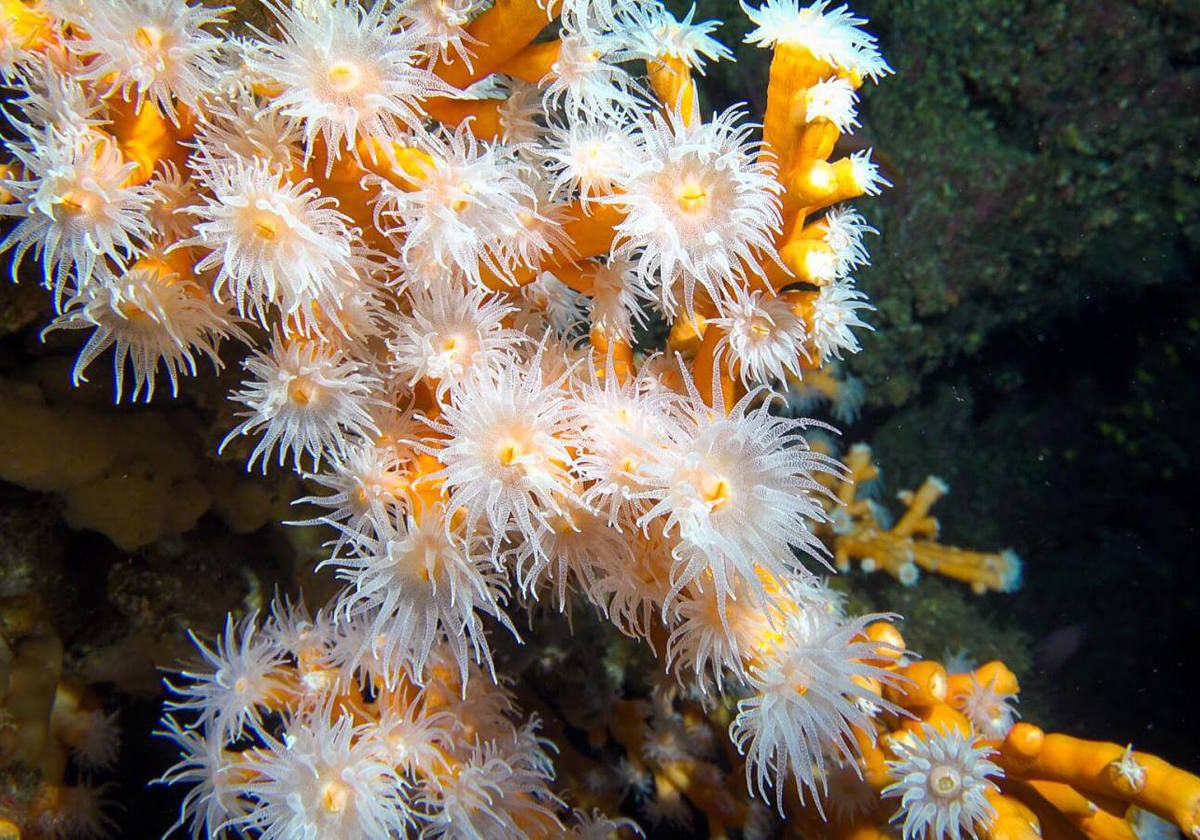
(702, 206)
(161, 49)
(866, 173)
(991, 711)
(505, 441)
(49, 95)
(210, 773)
(347, 71)
(763, 339)
(458, 211)
(76, 207)
(586, 77)
(369, 485)
(942, 778)
(833, 36)
(241, 672)
(148, 315)
(498, 791)
(239, 127)
(740, 492)
(627, 426)
(589, 157)
(417, 583)
(657, 34)
(616, 299)
(448, 331)
(833, 100)
(808, 699)
(273, 241)
(306, 397)
(443, 26)
(845, 228)
(711, 636)
(835, 317)
(324, 778)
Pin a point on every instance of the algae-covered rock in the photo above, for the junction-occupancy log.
(1042, 170)
(129, 475)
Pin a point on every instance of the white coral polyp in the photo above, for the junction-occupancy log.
(324, 779)
(499, 792)
(239, 127)
(808, 700)
(416, 584)
(76, 207)
(740, 492)
(304, 396)
(589, 157)
(835, 317)
(51, 95)
(701, 206)
(505, 450)
(447, 332)
(627, 428)
(657, 34)
(712, 635)
(347, 72)
(274, 242)
(615, 305)
(834, 100)
(456, 213)
(586, 77)
(161, 49)
(763, 338)
(833, 36)
(942, 779)
(845, 228)
(443, 26)
(991, 711)
(369, 485)
(242, 671)
(148, 315)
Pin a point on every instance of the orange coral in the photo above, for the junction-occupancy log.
(908, 545)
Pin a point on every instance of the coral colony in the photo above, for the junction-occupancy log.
(433, 229)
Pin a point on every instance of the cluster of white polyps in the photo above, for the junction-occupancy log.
(435, 235)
